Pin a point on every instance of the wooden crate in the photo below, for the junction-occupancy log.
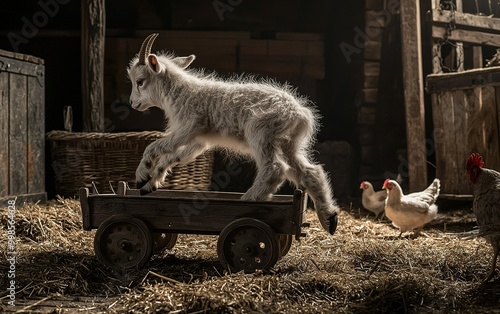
(466, 114)
(22, 128)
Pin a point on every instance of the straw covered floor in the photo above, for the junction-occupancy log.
(364, 267)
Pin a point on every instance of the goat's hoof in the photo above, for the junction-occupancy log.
(333, 223)
(141, 184)
(148, 188)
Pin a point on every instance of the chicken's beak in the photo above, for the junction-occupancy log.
(384, 187)
(361, 186)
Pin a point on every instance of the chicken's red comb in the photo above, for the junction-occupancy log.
(386, 182)
(474, 160)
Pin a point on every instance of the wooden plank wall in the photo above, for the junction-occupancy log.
(4, 134)
(367, 113)
(465, 121)
(22, 129)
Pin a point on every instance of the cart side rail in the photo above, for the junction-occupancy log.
(84, 203)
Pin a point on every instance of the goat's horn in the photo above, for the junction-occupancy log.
(146, 48)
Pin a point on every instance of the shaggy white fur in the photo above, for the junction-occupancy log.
(262, 119)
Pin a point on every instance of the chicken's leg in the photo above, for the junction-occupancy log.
(496, 249)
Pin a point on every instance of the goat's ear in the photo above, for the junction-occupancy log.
(153, 63)
(184, 62)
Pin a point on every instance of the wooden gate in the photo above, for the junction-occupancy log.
(22, 128)
(466, 103)
(466, 115)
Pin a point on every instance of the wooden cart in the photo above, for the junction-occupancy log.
(252, 235)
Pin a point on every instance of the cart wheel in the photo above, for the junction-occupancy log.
(248, 244)
(285, 241)
(164, 241)
(123, 242)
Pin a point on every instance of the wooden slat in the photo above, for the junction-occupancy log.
(21, 56)
(4, 134)
(463, 80)
(299, 36)
(188, 216)
(367, 115)
(461, 150)
(468, 36)
(449, 142)
(18, 136)
(36, 135)
(436, 59)
(414, 93)
(467, 20)
(313, 49)
(194, 34)
(273, 65)
(371, 68)
(491, 128)
(370, 82)
(373, 50)
(370, 95)
(477, 57)
(439, 136)
(483, 131)
(375, 19)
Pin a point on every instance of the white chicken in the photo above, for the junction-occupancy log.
(412, 211)
(371, 200)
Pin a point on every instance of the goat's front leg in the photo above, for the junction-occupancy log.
(162, 146)
(165, 163)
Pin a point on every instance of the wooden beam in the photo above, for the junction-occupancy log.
(469, 36)
(414, 93)
(93, 36)
(464, 80)
(477, 57)
(466, 20)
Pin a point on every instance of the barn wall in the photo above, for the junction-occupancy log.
(57, 41)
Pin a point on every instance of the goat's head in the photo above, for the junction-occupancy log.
(148, 72)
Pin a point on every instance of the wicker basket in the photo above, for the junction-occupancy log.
(78, 159)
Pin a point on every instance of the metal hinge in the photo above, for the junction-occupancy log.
(4, 66)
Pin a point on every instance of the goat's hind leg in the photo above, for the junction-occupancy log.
(270, 176)
(314, 180)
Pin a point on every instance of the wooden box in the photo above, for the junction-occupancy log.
(466, 115)
(22, 128)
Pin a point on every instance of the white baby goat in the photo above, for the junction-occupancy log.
(269, 122)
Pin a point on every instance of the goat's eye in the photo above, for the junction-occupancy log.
(140, 82)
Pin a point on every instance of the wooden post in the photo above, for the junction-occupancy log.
(93, 36)
(414, 93)
(459, 45)
(436, 47)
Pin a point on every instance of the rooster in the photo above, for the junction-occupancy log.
(486, 204)
(371, 200)
(412, 211)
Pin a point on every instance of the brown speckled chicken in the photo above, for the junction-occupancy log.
(371, 200)
(486, 204)
(412, 211)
